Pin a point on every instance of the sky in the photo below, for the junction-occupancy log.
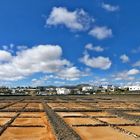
(62, 42)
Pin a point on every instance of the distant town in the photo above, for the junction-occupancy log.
(83, 89)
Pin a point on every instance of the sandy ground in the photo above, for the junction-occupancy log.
(30, 114)
(15, 133)
(56, 105)
(101, 133)
(134, 129)
(97, 114)
(67, 105)
(87, 133)
(133, 113)
(85, 105)
(84, 114)
(19, 105)
(4, 120)
(3, 104)
(77, 121)
(116, 120)
(70, 114)
(53, 104)
(34, 106)
(32, 133)
(9, 114)
(117, 105)
(11, 107)
(74, 105)
(28, 121)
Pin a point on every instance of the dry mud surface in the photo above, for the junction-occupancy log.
(93, 117)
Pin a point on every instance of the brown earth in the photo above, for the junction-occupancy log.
(97, 113)
(15, 133)
(32, 133)
(77, 121)
(133, 113)
(10, 114)
(101, 133)
(134, 129)
(4, 120)
(116, 120)
(70, 114)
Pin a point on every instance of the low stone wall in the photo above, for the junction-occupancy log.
(62, 130)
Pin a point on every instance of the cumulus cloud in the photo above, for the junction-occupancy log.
(124, 58)
(59, 82)
(70, 73)
(4, 47)
(100, 81)
(133, 72)
(22, 47)
(75, 20)
(136, 64)
(110, 8)
(94, 48)
(100, 62)
(37, 82)
(12, 48)
(5, 56)
(101, 32)
(42, 58)
(126, 75)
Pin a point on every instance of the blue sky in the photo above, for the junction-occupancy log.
(49, 42)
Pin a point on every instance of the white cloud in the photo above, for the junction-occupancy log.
(136, 64)
(71, 73)
(94, 48)
(12, 48)
(100, 81)
(75, 20)
(110, 8)
(59, 82)
(5, 56)
(68, 73)
(133, 72)
(124, 58)
(126, 75)
(22, 47)
(119, 78)
(100, 62)
(4, 47)
(101, 32)
(37, 82)
(103, 80)
(43, 58)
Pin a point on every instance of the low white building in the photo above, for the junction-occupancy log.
(87, 88)
(108, 88)
(64, 91)
(134, 88)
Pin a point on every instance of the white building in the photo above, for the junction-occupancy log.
(134, 88)
(108, 88)
(87, 88)
(105, 87)
(64, 91)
